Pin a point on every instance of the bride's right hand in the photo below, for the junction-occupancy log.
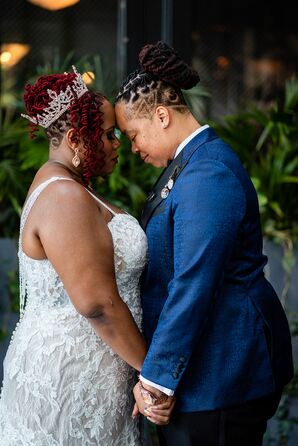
(161, 413)
(158, 414)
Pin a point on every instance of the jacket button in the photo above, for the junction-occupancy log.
(175, 375)
(182, 359)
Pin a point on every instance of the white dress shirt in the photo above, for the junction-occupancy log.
(178, 150)
(189, 138)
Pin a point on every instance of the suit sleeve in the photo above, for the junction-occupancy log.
(208, 206)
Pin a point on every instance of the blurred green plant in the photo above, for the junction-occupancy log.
(195, 98)
(14, 181)
(267, 143)
(12, 305)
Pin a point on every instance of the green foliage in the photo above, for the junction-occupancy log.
(14, 291)
(195, 102)
(267, 143)
(3, 334)
(14, 182)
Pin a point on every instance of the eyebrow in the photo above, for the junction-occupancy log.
(110, 128)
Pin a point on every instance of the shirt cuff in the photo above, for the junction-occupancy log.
(165, 390)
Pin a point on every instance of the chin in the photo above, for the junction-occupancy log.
(106, 172)
(157, 163)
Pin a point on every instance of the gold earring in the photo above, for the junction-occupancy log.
(76, 159)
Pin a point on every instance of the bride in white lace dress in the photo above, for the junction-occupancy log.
(72, 361)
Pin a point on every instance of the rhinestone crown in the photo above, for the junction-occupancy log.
(60, 102)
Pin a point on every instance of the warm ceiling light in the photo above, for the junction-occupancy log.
(12, 53)
(88, 77)
(53, 5)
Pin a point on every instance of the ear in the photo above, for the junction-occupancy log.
(163, 116)
(72, 139)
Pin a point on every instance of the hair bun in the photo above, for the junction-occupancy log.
(164, 62)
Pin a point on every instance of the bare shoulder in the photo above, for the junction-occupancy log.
(64, 187)
(67, 199)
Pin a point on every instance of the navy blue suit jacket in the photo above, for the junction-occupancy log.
(217, 333)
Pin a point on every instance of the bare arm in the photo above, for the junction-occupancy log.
(78, 243)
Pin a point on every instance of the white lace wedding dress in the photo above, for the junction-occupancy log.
(63, 386)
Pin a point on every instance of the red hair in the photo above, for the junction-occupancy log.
(84, 116)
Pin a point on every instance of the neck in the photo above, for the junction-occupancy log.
(77, 176)
(187, 126)
(184, 126)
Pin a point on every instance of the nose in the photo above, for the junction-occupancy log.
(134, 148)
(116, 143)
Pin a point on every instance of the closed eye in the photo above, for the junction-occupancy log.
(111, 135)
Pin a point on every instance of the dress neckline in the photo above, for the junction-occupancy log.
(112, 221)
(43, 184)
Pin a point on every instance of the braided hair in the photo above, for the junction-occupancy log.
(158, 81)
(84, 116)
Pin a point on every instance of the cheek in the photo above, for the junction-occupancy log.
(107, 147)
(154, 146)
(148, 140)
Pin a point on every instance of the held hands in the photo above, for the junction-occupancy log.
(155, 405)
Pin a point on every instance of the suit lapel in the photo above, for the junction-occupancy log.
(155, 198)
(172, 171)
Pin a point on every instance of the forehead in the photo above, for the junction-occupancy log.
(123, 112)
(108, 112)
(126, 119)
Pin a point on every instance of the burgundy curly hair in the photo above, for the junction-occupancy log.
(84, 116)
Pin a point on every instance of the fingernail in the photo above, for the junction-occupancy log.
(151, 419)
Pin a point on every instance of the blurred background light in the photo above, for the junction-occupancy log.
(88, 77)
(53, 5)
(12, 53)
(223, 62)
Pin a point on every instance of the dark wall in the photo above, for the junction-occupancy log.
(88, 27)
(241, 49)
(144, 25)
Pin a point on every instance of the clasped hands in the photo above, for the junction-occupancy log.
(155, 405)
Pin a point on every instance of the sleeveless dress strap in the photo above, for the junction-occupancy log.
(33, 197)
(22, 261)
(102, 203)
(26, 210)
(37, 191)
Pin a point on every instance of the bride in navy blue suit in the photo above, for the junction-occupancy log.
(218, 336)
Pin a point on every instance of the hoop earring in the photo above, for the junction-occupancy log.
(76, 159)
